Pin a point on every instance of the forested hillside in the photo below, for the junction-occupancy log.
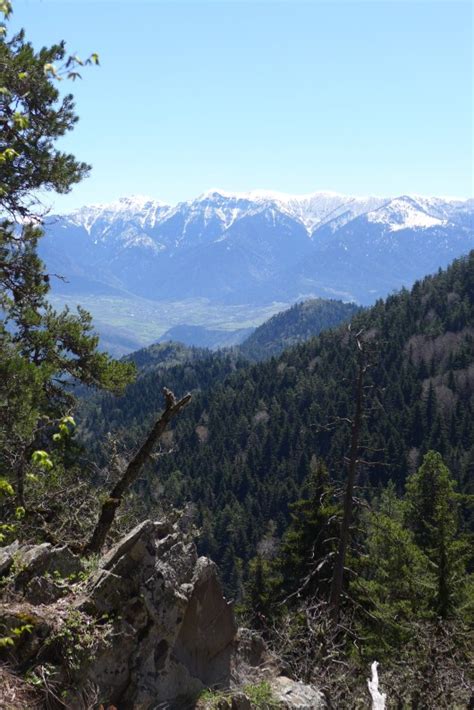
(242, 450)
(298, 323)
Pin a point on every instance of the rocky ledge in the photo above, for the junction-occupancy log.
(149, 628)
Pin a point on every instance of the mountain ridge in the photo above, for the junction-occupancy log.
(252, 249)
(308, 208)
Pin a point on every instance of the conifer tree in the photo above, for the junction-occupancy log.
(304, 559)
(432, 516)
(394, 581)
(42, 352)
(258, 594)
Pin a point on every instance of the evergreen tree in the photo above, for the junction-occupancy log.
(394, 581)
(432, 516)
(259, 603)
(304, 559)
(42, 352)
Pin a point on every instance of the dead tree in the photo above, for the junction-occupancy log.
(352, 461)
(110, 505)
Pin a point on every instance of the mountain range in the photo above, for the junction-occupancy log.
(253, 249)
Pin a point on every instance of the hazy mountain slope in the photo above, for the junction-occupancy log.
(205, 337)
(163, 356)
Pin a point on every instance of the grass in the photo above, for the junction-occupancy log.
(259, 694)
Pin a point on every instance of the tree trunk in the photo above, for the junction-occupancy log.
(338, 573)
(109, 508)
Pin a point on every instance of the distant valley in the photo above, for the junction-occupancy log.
(221, 264)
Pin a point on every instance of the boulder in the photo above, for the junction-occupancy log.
(32, 561)
(251, 648)
(205, 640)
(7, 555)
(294, 695)
(44, 590)
(174, 629)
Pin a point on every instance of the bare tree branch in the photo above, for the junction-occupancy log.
(109, 507)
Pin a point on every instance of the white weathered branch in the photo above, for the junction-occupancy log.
(378, 698)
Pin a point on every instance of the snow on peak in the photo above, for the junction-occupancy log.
(262, 195)
(143, 209)
(132, 203)
(312, 209)
(406, 213)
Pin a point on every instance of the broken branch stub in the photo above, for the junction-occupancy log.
(110, 505)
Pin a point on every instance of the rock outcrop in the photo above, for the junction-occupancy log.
(170, 629)
(148, 629)
(176, 628)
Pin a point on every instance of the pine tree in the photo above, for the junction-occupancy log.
(432, 516)
(394, 581)
(304, 559)
(42, 353)
(258, 605)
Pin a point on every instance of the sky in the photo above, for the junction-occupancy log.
(357, 97)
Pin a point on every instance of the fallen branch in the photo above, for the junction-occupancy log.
(110, 505)
(378, 698)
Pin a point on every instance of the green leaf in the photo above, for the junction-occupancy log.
(6, 8)
(8, 154)
(42, 459)
(5, 487)
(20, 120)
(6, 641)
(20, 512)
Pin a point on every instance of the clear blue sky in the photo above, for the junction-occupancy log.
(358, 97)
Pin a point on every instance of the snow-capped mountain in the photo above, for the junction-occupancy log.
(259, 246)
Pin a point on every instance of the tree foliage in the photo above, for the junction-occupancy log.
(244, 446)
(433, 517)
(43, 353)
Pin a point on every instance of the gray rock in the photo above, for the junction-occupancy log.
(31, 560)
(64, 562)
(106, 592)
(44, 590)
(7, 554)
(240, 702)
(171, 631)
(125, 545)
(205, 640)
(294, 695)
(36, 560)
(251, 647)
(174, 628)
